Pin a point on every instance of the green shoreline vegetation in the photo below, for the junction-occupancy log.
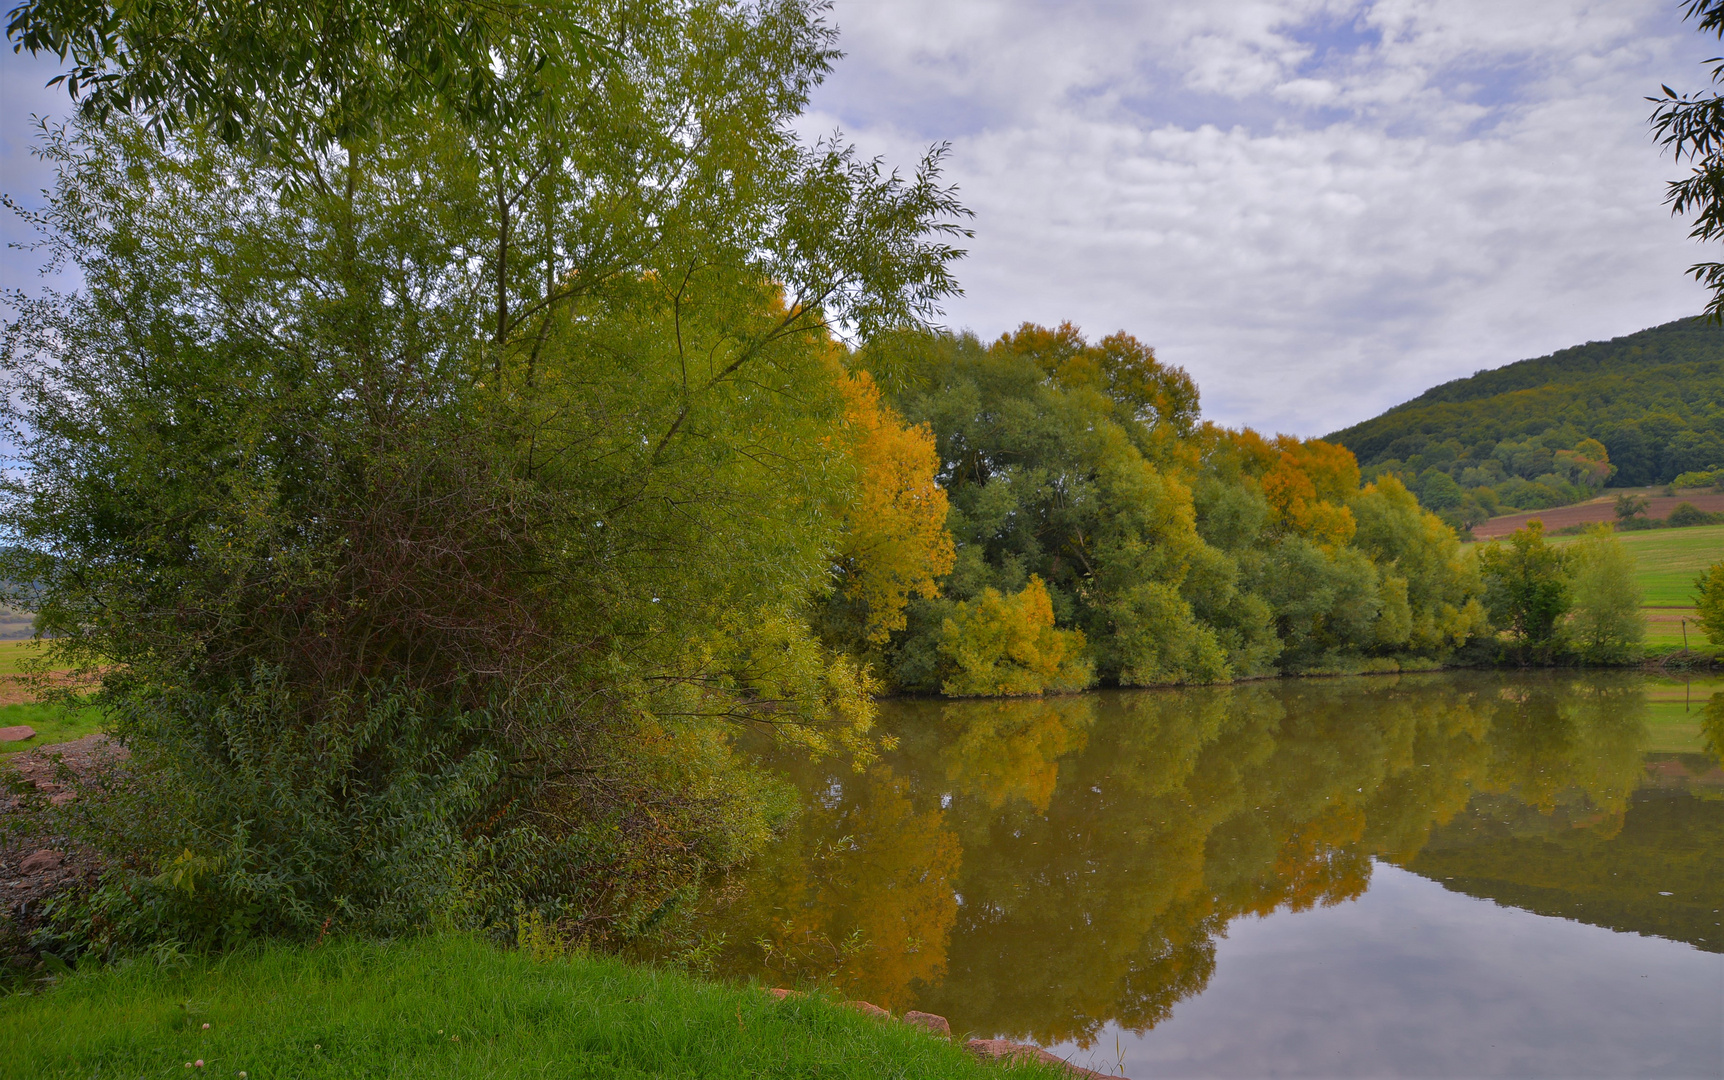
(448, 1006)
(460, 437)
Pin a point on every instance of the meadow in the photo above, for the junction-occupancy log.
(1666, 563)
(450, 1006)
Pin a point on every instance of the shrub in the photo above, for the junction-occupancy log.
(1684, 514)
(999, 645)
(1709, 602)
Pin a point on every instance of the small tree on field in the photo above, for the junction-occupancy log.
(1607, 626)
(1630, 506)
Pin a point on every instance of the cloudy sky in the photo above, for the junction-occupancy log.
(1318, 207)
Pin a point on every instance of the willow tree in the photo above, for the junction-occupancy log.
(430, 504)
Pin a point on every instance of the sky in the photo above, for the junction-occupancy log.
(1319, 208)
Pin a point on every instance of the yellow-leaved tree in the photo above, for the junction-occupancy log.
(1002, 646)
(895, 539)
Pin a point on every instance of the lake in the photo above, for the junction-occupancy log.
(1448, 874)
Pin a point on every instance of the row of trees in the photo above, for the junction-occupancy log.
(1100, 532)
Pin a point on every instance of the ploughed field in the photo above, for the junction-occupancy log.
(1458, 873)
(1602, 508)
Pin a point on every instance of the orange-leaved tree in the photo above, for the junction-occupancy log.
(1309, 487)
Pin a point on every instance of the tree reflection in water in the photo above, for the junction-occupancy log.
(1041, 868)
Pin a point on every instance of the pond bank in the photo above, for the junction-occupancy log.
(451, 1005)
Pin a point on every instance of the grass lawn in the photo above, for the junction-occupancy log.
(446, 1007)
(13, 655)
(53, 724)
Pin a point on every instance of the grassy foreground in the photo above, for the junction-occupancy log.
(447, 1006)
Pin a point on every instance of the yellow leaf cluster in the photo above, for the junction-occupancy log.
(1005, 646)
(895, 541)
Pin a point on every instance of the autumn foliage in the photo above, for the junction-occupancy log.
(895, 540)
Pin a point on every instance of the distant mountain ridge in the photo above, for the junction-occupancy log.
(1654, 399)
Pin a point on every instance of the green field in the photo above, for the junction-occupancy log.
(447, 1007)
(14, 653)
(1667, 561)
(53, 724)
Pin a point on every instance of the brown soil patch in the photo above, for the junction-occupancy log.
(1600, 509)
(36, 862)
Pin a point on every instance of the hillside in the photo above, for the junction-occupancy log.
(1635, 410)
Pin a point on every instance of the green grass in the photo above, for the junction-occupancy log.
(445, 1007)
(1668, 560)
(53, 724)
(13, 654)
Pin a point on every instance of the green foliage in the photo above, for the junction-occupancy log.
(1691, 126)
(1055, 458)
(1686, 514)
(381, 493)
(1606, 624)
(1526, 588)
(1709, 602)
(1699, 479)
(446, 1006)
(1649, 401)
(1439, 583)
(294, 75)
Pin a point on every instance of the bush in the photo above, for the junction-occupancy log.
(1684, 514)
(1709, 602)
(998, 645)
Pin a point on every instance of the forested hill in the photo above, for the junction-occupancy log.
(1655, 399)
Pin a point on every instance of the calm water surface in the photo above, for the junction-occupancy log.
(1440, 875)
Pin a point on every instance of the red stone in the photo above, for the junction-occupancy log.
(41, 861)
(867, 1009)
(1006, 1050)
(935, 1024)
(17, 734)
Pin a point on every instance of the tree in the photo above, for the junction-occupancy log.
(1691, 126)
(1629, 507)
(1709, 602)
(1606, 624)
(1526, 587)
(433, 521)
(895, 539)
(279, 73)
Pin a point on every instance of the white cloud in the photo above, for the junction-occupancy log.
(1320, 209)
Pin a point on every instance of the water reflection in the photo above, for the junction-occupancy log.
(1048, 869)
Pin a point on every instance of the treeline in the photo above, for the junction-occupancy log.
(1102, 534)
(1637, 410)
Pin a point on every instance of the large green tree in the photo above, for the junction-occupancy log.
(426, 519)
(279, 74)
